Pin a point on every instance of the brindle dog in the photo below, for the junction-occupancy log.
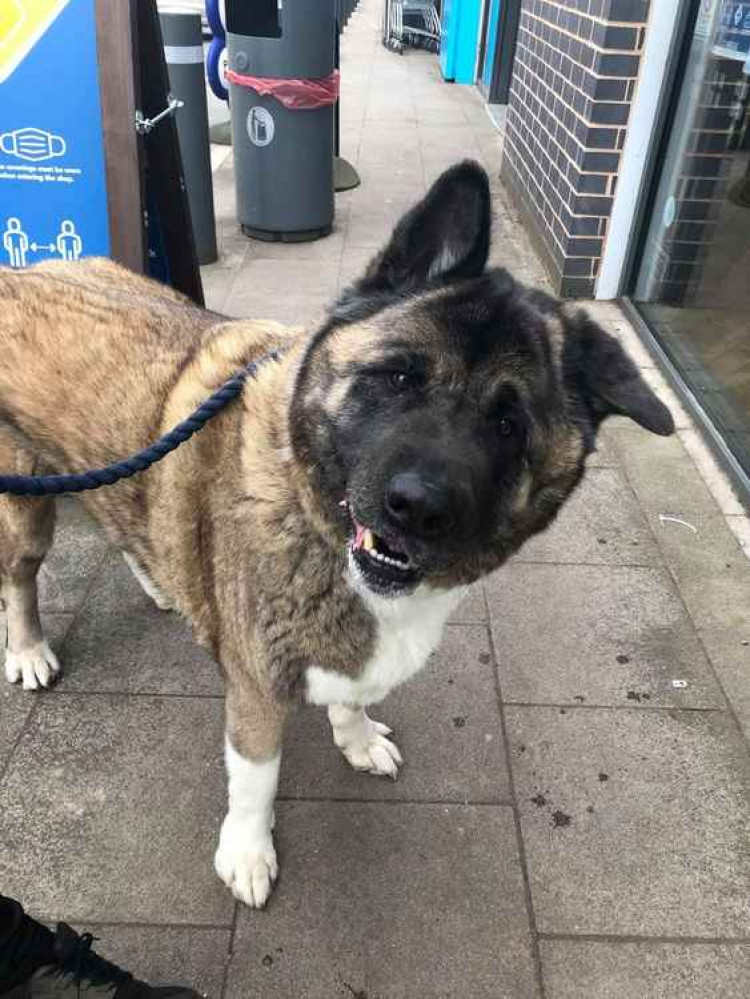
(318, 533)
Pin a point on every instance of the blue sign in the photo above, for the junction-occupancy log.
(733, 31)
(53, 195)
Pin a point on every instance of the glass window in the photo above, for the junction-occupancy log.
(693, 282)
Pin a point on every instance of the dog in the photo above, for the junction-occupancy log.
(318, 532)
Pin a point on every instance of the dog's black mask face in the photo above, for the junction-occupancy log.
(443, 412)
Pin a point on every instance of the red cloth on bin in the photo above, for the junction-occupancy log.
(299, 95)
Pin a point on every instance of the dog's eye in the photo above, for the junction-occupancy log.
(507, 426)
(401, 381)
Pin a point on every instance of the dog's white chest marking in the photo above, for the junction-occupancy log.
(409, 630)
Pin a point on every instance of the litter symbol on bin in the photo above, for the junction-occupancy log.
(260, 127)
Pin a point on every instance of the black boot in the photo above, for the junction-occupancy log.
(36, 963)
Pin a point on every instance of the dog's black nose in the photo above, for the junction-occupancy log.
(419, 507)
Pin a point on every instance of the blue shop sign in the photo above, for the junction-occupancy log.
(53, 195)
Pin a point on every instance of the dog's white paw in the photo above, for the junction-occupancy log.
(35, 667)
(246, 863)
(366, 746)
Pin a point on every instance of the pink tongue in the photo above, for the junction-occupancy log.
(359, 537)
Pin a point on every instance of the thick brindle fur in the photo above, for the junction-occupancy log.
(242, 529)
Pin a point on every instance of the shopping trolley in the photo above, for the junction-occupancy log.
(411, 22)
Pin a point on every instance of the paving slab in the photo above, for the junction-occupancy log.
(597, 635)
(600, 524)
(724, 492)
(729, 652)
(321, 252)
(473, 609)
(634, 822)
(265, 285)
(606, 454)
(297, 310)
(404, 175)
(615, 323)
(446, 723)
(167, 955)
(71, 565)
(581, 969)
(16, 703)
(122, 643)
(353, 265)
(664, 478)
(657, 381)
(110, 808)
(219, 278)
(380, 150)
(710, 569)
(371, 228)
(15, 708)
(389, 902)
(740, 527)
(454, 114)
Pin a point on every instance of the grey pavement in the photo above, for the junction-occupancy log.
(573, 820)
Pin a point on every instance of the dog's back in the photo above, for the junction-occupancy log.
(69, 333)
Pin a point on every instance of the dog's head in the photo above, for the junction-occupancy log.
(443, 412)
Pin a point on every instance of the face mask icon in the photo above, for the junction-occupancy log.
(32, 144)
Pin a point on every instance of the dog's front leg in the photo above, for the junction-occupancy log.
(364, 742)
(246, 859)
(26, 528)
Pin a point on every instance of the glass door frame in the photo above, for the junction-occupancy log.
(675, 74)
(502, 47)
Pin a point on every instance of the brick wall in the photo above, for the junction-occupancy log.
(575, 74)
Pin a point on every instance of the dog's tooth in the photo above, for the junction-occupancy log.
(368, 540)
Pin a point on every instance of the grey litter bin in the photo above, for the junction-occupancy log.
(183, 51)
(283, 157)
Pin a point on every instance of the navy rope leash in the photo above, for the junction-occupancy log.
(53, 485)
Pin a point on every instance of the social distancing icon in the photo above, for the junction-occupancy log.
(19, 247)
(68, 243)
(16, 243)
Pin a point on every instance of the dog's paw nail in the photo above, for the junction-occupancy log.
(381, 729)
(248, 869)
(35, 667)
(380, 757)
(385, 757)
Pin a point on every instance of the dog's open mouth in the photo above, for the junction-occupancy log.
(385, 567)
(367, 542)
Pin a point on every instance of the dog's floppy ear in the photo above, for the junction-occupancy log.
(607, 378)
(446, 237)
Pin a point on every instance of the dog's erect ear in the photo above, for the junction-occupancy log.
(446, 237)
(609, 381)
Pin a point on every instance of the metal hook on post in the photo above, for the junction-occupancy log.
(145, 125)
